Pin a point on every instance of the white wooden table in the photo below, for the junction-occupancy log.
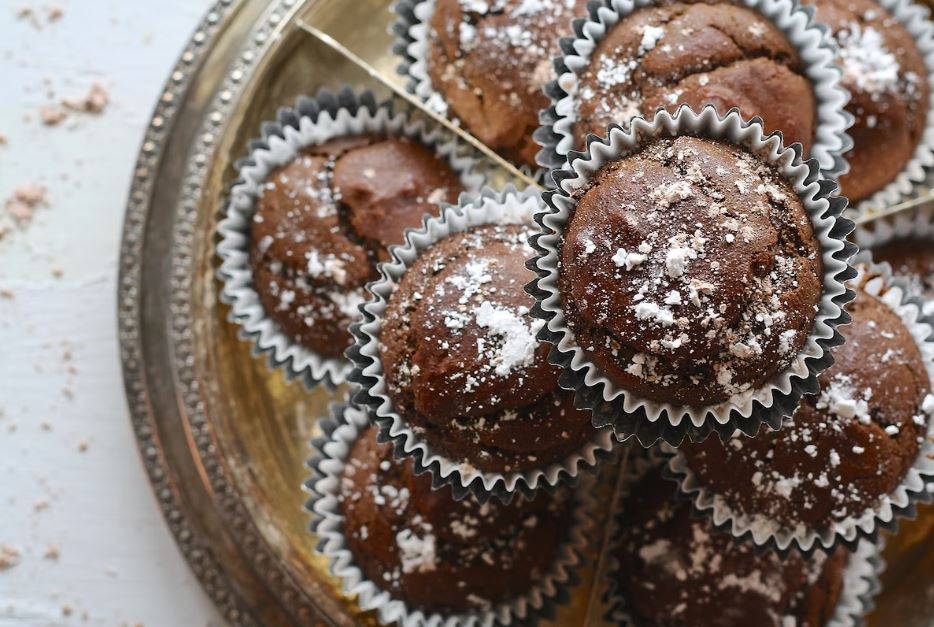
(74, 502)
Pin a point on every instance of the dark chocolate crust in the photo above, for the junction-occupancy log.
(675, 572)
(490, 59)
(695, 54)
(441, 555)
(888, 84)
(462, 363)
(845, 448)
(690, 272)
(325, 219)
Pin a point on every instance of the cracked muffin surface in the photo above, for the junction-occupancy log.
(681, 53)
(324, 220)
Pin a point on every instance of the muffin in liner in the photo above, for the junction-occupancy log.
(914, 178)
(313, 121)
(327, 464)
(877, 281)
(650, 420)
(913, 224)
(411, 46)
(488, 207)
(860, 578)
(830, 140)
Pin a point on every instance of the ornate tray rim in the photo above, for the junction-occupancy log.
(241, 594)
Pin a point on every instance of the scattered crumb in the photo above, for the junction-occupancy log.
(57, 271)
(9, 557)
(2, 139)
(67, 610)
(55, 13)
(52, 553)
(40, 506)
(52, 115)
(95, 101)
(45, 426)
(82, 446)
(21, 206)
(7, 294)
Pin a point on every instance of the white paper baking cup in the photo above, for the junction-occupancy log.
(312, 122)
(911, 224)
(488, 207)
(797, 23)
(914, 179)
(327, 464)
(649, 421)
(877, 281)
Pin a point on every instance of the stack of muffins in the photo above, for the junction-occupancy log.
(685, 290)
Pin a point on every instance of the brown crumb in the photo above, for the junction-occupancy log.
(57, 272)
(3, 139)
(45, 426)
(9, 557)
(82, 446)
(52, 115)
(95, 101)
(40, 506)
(26, 12)
(67, 610)
(52, 553)
(7, 294)
(21, 206)
(55, 13)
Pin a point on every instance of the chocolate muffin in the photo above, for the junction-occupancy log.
(675, 572)
(441, 555)
(888, 84)
(325, 219)
(843, 450)
(461, 360)
(695, 54)
(912, 258)
(690, 272)
(490, 59)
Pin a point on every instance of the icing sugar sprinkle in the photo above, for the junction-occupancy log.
(865, 60)
(841, 398)
(519, 343)
(417, 553)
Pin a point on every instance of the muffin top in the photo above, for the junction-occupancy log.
(462, 362)
(913, 259)
(888, 83)
(490, 59)
(324, 220)
(844, 449)
(674, 571)
(683, 53)
(437, 554)
(690, 272)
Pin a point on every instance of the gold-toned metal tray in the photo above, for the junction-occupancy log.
(223, 438)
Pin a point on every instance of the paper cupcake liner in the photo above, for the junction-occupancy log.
(327, 464)
(488, 207)
(915, 178)
(411, 31)
(831, 140)
(650, 420)
(915, 223)
(313, 121)
(877, 281)
(860, 578)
